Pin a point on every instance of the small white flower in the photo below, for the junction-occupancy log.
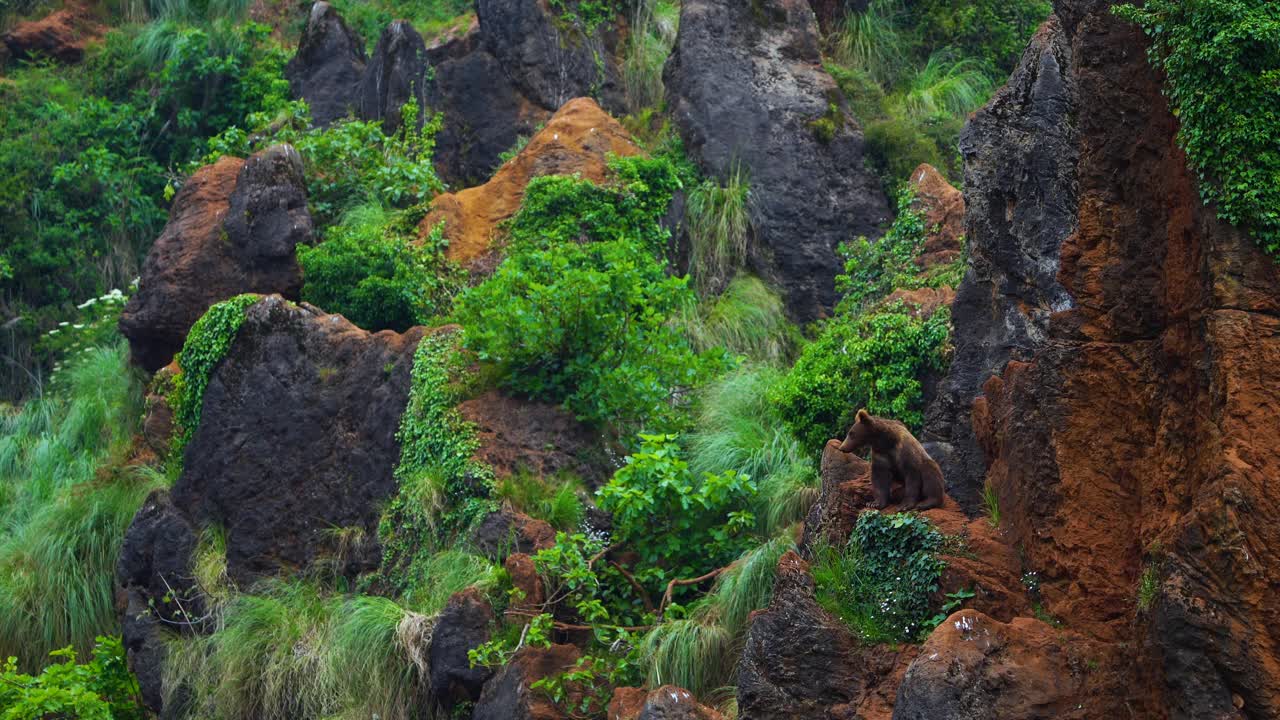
(87, 303)
(78, 326)
(63, 324)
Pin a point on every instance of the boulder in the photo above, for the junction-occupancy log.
(552, 60)
(576, 141)
(1117, 350)
(396, 73)
(327, 68)
(943, 209)
(974, 667)
(507, 531)
(463, 625)
(232, 229)
(508, 695)
(526, 435)
(524, 579)
(672, 703)
(746, 89)
(61, 35)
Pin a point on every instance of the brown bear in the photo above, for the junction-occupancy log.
(896, 455)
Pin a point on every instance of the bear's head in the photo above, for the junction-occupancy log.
(860, 433)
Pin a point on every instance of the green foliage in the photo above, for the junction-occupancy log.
(991, 503)
(872, 42)
(65, 503)
(585, 16)
(748, 318)
(587, 688)
(443, 490)
(207, 343)
(373, 269)
(738, 428)
(579, 311)
(1149, 586)
(675, 520)
(719, 225)
(652, 34)
(1221, 60)
(499, 651)
(556, 500)
(993, 32)
(101, 689)
(429, 17)
(291, 650)
(874, 361)
(881, 584)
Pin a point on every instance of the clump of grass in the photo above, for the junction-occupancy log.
(719, 222)
(738, 429)
(946, 85)
(991, 502)
(441, 575)
(557, 500)
(653, 34)
(65, 503)
(209, 564)
(698, 652)
(748, 319)
(871, 42)
(1149, 587)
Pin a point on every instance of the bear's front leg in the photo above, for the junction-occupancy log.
(881, 481)
(911, 490)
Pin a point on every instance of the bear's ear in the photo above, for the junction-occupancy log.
(863, 416)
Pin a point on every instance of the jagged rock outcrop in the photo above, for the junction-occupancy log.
(327, 68)
(576, 141)
(507, 531)
(233, 229)
(484, 111)
(61, 35)
(508, 695)
(942, 209)
(297, 437)
(664, 703)
(746, 88)
(396, 73)
(1116, 360)
(463, 625)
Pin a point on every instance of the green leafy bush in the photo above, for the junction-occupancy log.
(579, 311)
(874, 361)
(873, 269)
(748, 318)
(429, 17)
(101, 689)
(882, 583)
(556, 500)
(373, 269)
(994, 32)
(1221, 60)
(675, 520)
(207, 343)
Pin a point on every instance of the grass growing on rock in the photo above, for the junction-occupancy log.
(747, 319)
(719, 222)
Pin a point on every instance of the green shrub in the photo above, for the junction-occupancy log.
(994, 32)
(719, 225)
(101, 689)
(579, 311)
(430, 18)
(556, 500)
(675, 520)
(874, 361)
(882, 583)
(748, 318)
(207, 343)
(1221, 60)
(872, 42)
(374, 270)
(897, 145)
(649, 41)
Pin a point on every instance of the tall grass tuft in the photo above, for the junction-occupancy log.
(870, 41)
(65, 502)
(946, 86)
(652, 35)
(719, 222)
(290, 650)
(748, 319)
(738, 429)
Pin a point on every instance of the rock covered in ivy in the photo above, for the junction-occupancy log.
(509, 696)
(232, 230)
(463, 625)
(747, 91)
(327, 68)
(396, 74)
(555, 54)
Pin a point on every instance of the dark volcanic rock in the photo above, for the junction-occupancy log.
(1020, 188)
(745, 86)
(507, 696)
(798, 661)
(233, 229)
(327, 68)
(506, 531)
(831, 12)
(672, 703)
(297, 436)
(484, 111)
(396, 73)
(551, 61)
(463, 625)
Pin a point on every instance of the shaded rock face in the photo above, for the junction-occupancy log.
(746, 87)
(576, 141)
(974, 667)
(1117, 356)
(508, 695)
(672, 703)
(550, 62)
(830, 13)
(396, 73)
(233, 229)
(506, 531)
(61, 35)
(327, 68)
(942, 207)
(525, 435)
(463, 625)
